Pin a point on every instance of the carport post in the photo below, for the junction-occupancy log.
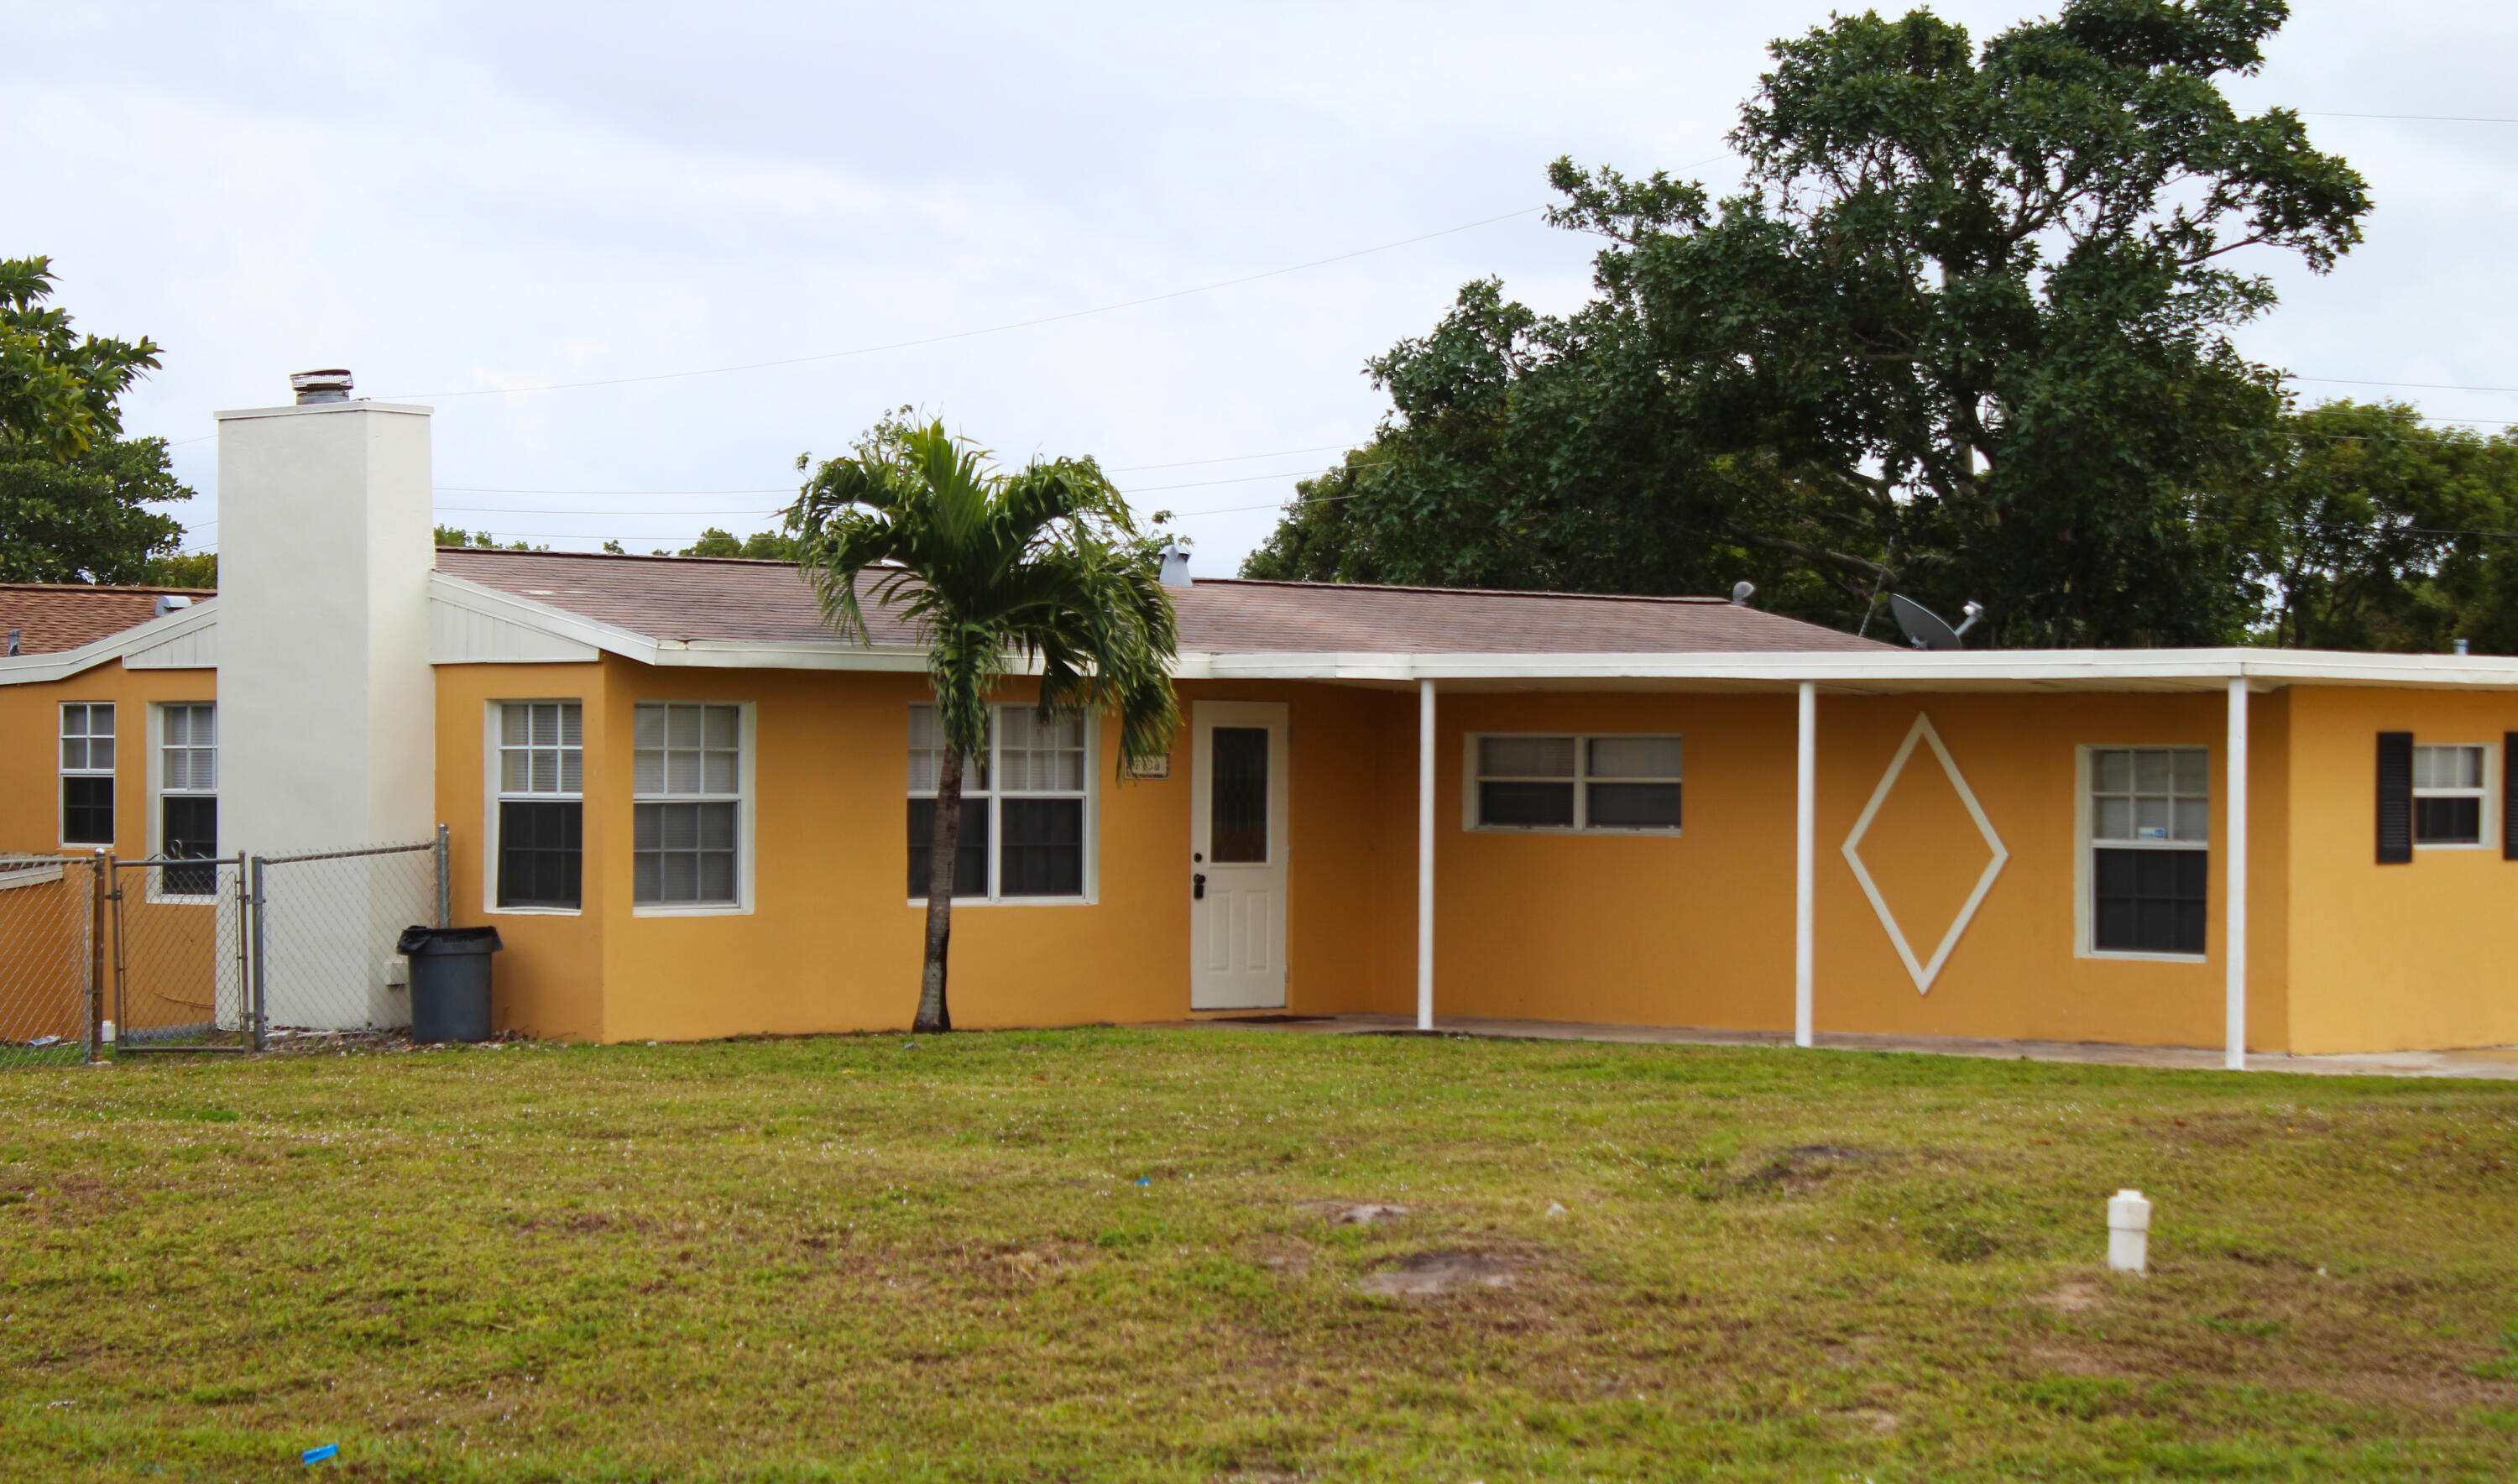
(1805, 871)
(1424, 855)
(2233, 950)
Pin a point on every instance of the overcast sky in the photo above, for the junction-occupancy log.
(451, 197)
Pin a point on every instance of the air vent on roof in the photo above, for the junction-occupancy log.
(1176, 567)
(13, 641)
(169, 602)
(322, 387)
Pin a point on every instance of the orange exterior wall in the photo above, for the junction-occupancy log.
(1692, 930)
(171, 965)
(832, 942)
(1697, 929)
(2395, 957)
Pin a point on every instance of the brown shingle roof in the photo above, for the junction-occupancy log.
(709, 598)
(51, 616)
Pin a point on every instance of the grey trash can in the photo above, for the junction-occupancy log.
(450, 981)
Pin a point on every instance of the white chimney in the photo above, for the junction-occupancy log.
(326, 702)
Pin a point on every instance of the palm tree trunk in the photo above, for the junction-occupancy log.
(934, 1014)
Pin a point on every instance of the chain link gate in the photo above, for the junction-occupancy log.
(216, 954)
(51, 913)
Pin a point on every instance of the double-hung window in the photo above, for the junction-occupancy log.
(2448, 795)
(2151, 818)
(1023, 806)
(1604, 783)
(688, 785)
(188, 796)
(87, 772)
(541, 804)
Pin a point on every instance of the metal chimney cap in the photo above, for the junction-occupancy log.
(321, 385)
(1176, 567)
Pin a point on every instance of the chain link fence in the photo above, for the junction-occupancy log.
(228, 954)
(327, 923)
(50, 909)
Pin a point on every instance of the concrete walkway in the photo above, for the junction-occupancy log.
(2500, 1064)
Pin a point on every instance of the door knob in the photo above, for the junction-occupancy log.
(1197, 886)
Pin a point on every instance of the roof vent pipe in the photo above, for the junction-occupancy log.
(170, 602)
(13, 641)
(1741, 594)
(2460, 647)
(1176, 567)
(320, 386)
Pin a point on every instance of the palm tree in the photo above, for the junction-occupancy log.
(1041, 567)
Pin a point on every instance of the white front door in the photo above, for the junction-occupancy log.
(1237, 839)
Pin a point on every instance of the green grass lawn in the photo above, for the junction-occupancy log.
(1111, 1254)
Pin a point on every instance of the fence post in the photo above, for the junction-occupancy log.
(97, 874)
(261, 965)
(244, 955)
(445, 882)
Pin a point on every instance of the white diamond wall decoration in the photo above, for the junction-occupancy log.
(1923, 971)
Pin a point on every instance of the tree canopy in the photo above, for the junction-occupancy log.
(1962, 332)
(73, 491)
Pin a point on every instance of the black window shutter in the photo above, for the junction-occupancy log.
(2508, 796)
(2395, 797)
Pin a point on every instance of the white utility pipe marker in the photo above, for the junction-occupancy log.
(2129, 1231)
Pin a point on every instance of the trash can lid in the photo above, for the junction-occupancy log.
(428, 941)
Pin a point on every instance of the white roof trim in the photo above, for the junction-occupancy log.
(1881, 671)
(60, 665)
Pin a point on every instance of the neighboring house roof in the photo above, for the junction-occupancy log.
(698, 599)
(52, 616)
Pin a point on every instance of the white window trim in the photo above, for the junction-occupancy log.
(2489, 793)
(156, 795)
(1469, 781)
(60, 800)
(1092, 894)
(491, 794)
(2085, 843)
(746, 766)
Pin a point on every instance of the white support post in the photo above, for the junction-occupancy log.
(2234, 847)
(1806, 873)
(1424, 855)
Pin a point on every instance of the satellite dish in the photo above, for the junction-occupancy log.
(1923, 627)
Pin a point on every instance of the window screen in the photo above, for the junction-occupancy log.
(187, 803)
(87, 772)
(2448, 795)
(687, 777)
(2151, 823)
(541, 808)
(1579, 782)
(1023, 800)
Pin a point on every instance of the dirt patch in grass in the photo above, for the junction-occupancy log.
(1432, 1275)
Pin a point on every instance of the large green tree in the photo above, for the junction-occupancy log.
(2381, 533)
(1041, 568)
(1962, 332)
(72, 489)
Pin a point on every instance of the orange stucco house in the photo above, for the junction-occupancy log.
(692, 813)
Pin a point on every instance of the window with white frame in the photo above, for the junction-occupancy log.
(687, 787)
(541, 804)
(1023, 803)
(87, 772)
(2448, 795)
(188, 796)
(1605, 783)
(2151, 823)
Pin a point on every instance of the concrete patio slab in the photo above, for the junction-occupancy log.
(2488, 1063)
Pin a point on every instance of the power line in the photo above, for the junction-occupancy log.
(2413, 118)
(965, 334)
(2426, 386)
